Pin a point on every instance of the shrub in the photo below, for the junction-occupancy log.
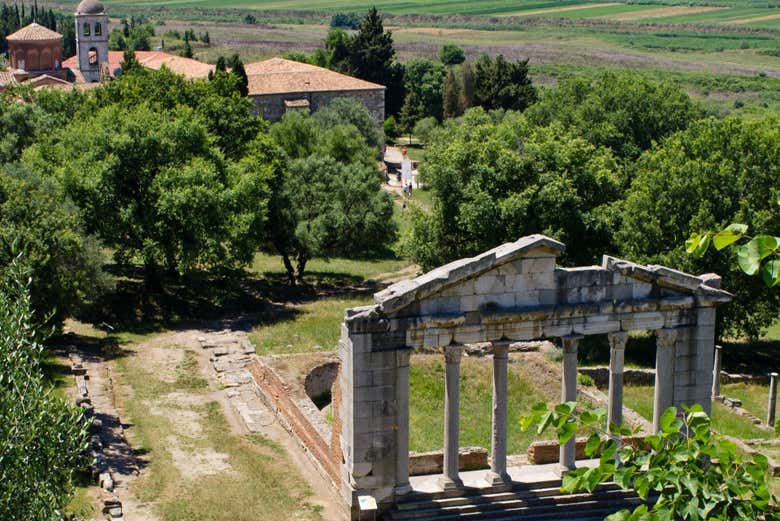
(42, 438)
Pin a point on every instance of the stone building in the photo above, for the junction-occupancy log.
(35, 49)
(92, 40)
(278, 85)
(512, 293)
(35, 55)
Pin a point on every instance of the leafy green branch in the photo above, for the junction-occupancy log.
(683, 472)
(751, 256)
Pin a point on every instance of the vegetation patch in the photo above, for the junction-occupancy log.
(426, 403)
(198, 469)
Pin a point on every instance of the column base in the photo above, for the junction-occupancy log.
(447, 483)
(400, 490)
(561, 470)
(495, 478)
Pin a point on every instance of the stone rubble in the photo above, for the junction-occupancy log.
(101, 471)
(230, 355)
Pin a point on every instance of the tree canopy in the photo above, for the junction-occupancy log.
(153, 186)
(626, 112)
(715, 173)
(494, 182)
(329, 201)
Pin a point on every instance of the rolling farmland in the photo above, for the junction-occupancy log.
(726, 52)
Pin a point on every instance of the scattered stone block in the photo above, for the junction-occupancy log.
(105, 481)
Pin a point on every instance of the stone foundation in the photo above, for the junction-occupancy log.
(299, 416)
(425, 463)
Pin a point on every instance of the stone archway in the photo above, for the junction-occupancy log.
(511, 293)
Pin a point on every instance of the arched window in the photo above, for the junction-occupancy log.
(98, 29)
(93, 56)
(86, 30)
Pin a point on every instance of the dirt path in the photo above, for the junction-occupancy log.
(248, 413)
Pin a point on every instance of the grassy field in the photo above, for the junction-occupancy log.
(684, 11)
(426, 381)
(754, 397)
(303, 327)
(640, 398)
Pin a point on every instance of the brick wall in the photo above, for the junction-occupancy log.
(295, 419)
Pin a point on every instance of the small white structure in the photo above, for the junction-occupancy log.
(91, 39)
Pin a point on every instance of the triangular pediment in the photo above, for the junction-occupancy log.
(522, 274)
(403, 293)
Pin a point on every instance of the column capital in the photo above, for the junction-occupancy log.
(570, 342)
(402, 357)
(500, 350)
(617, 340)
(665, 337)
(453, 354)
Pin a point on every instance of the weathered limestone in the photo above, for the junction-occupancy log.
(498, 473)
(716, 372)
(451, 479)
(664, 374)
(569, 394)
(402, 398)
(617, 349)
(772, 405)
(512, 293)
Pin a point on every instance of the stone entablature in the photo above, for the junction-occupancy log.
(508, 294)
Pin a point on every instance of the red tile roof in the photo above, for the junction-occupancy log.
(187, 67)
(278, 76)
(34, 32)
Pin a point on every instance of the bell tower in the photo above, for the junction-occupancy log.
(91, 39)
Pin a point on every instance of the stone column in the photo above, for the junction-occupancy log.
(568, 451)
(402, 430)
(716, 372)
(664, 373)
(451, 480)
(617, 349)
(772, 405)
(498, 473)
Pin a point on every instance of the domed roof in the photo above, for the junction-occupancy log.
(90, 7)
(34, 32)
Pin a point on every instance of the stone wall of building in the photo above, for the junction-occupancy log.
(39, 55)
(272, 107)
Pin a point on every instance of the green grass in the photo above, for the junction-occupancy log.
(525, 389)
(640, 398)
(257, 482)
(302, 327)
(754, 397)
(358, 269)
(426, 406)
(451, 7)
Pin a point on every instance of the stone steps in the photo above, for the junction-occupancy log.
(542, 502)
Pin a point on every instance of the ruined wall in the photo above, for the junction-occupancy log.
(298, 417)
(511, 293)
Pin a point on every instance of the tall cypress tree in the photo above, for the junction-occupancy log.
(371, 58)
(237, 68)
(450, 93)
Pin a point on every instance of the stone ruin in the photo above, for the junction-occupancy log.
(511, 293)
